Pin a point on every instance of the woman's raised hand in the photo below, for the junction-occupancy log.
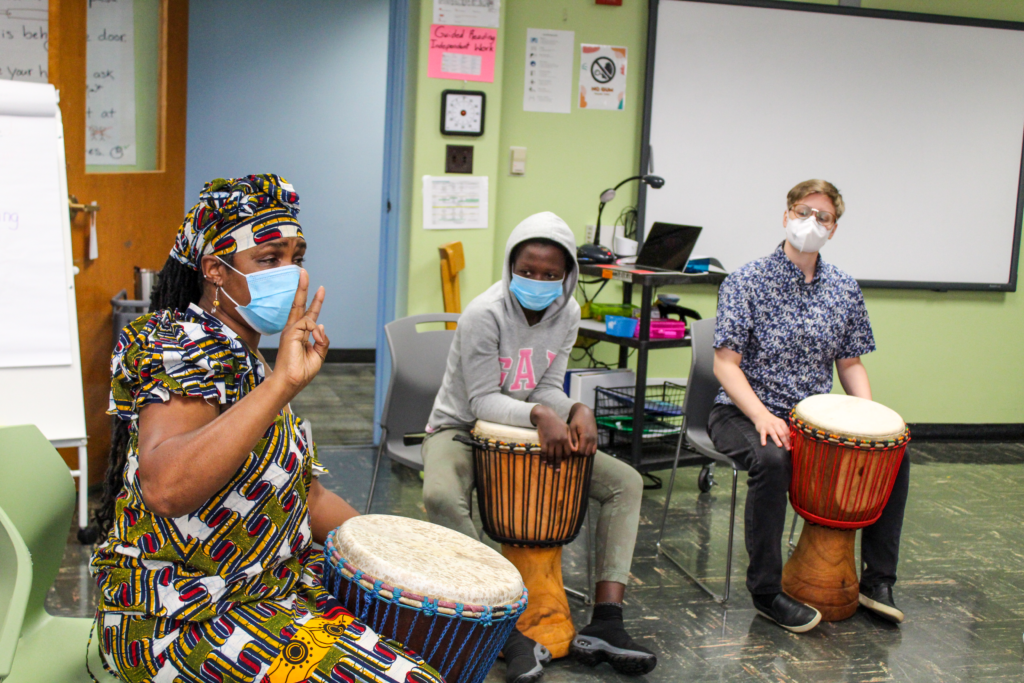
(298, 360)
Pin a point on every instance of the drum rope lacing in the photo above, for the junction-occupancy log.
(504, 512)
(490, 625)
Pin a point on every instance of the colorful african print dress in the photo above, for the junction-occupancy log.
(231, 592)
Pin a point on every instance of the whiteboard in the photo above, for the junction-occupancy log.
(920, 124)
(40, 364)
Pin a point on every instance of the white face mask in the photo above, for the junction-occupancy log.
(806, 234)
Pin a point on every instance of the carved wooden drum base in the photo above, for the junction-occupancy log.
(822, 572)
(547, 619)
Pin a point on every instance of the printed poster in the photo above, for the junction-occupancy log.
(602, 77)
(462, 53)
(454, 202)
(547, 85)
(467, 12)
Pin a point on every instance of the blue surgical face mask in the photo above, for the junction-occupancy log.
(535, 295)
(271, 293)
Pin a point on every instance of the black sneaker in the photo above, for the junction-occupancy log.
(605, 639)
(524, 658)
(879, 600)
(786, 612)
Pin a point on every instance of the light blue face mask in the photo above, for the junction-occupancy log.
(271, 294)
(535, 295)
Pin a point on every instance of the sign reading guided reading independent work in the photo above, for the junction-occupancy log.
(462, 53)
(602, 77)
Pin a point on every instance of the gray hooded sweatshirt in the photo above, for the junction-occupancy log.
(500, 367)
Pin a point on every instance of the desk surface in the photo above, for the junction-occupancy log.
(647, 278)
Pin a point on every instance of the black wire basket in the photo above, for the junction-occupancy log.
(662, 421)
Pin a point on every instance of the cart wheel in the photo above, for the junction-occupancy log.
(88, 535)
(706, 479)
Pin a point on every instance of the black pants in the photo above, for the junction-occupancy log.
(769, 470)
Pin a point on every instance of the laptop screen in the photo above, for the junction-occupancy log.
(668, 246)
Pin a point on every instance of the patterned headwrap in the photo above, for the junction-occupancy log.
(236, 214)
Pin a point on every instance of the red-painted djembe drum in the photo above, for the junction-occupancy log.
(846, 453)
(532, 510)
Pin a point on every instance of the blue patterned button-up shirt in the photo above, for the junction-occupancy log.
(789, 331)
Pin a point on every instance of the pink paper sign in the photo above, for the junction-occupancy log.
(462, 53)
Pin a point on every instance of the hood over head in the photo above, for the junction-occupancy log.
(544, 225)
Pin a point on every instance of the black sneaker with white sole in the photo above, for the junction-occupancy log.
(524, 658)
(786, 612)
(879, 600)
(633, 659)
(605, 639)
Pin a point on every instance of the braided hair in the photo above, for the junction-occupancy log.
(177, 287)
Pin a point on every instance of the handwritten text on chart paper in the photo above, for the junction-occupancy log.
(110, 83)
(24, 40)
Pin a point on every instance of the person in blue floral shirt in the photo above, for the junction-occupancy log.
(783, 322)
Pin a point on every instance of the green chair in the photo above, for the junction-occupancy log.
(37, 501)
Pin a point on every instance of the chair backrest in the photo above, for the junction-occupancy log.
(453, 261)
(38, 495)
(15, 584)
(418, 362)
(702, 385)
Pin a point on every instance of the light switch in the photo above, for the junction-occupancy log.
(518, 161)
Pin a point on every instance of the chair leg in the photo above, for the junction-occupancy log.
(376, 469)
(671, 484)
(792, 532)
(732, 530)
(732, 526)
(585, 596)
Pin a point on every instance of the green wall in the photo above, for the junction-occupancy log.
(942, 357)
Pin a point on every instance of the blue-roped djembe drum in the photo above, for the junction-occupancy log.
(442, 594)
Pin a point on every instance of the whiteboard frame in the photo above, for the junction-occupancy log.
(645, 150)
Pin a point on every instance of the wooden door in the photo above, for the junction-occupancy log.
(139, 211)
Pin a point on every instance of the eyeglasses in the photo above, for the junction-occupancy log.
(826, 218)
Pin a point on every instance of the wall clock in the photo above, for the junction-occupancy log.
(462, 112)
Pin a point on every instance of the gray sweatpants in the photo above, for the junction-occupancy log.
(615, 486)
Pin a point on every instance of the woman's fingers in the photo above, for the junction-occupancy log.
(318, 301)
(299, 302)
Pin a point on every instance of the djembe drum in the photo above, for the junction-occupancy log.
(846, 452)
(533, 510)
(442, 594)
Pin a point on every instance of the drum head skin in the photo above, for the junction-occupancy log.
(492, 430)
(428, 560)
(850, 416)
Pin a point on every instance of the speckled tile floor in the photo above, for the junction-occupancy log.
(961, 580)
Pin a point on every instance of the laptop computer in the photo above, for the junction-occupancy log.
(668, 247)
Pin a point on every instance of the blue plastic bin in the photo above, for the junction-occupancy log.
(620, 326)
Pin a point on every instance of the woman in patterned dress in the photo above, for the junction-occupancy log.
(207, 572)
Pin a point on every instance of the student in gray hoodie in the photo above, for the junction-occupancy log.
(507, 365)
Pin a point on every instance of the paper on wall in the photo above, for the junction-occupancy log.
(547, 82)
(467, 12)
(602, 77)
(110, 84)
(462, 53)
(24, 38)
(454, 202)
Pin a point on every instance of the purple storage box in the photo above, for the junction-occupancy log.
(665, 329)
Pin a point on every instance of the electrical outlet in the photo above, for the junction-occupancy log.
(458, 159)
